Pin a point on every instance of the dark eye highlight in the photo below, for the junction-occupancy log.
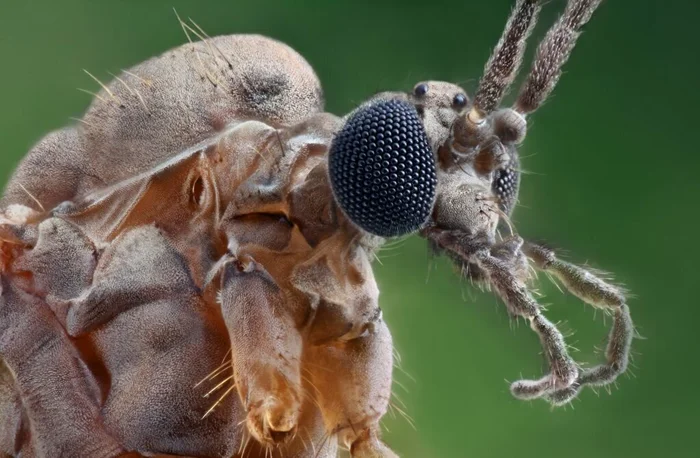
(460, 101)
(421, 89)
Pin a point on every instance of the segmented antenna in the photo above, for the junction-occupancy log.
(553, 53)
(502, 66)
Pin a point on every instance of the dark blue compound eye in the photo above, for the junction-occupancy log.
(505, 186)
(382, 169)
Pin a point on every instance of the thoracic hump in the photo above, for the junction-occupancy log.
(168, 103)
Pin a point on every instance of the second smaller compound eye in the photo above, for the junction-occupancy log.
(460, 101)
(421, 89)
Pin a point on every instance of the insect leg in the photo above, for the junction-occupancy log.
(311, 439)
(553, 53)
(57, 392)
(266, 350)
(502, 266)
(353, 381)
(521, 303)
(126, 277)
(154, 337)
(62, 262)
(595, 291)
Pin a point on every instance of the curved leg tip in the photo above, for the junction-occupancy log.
(274, 422)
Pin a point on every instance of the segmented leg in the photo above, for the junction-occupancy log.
(594, 291)
(157, 338)
(553, 53)
(59, 396)
(59, 243)
(353, 388)
(311, 439)
(138, 267)
(521, 303)
(266, 350)
(502, 266)
(57, 392)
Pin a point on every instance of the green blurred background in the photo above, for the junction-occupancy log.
(614, 181)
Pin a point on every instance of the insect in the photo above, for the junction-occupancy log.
(187, 270)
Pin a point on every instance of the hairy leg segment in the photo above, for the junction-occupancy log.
(504, 265)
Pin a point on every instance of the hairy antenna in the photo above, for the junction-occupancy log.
(553, 53)
(503, 65)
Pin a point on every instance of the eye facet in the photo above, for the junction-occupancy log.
(382, 169)
(459, 101)
(421, 89)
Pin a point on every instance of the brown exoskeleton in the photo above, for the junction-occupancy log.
(184, 243)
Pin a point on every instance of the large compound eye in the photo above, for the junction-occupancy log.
(382, 169)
